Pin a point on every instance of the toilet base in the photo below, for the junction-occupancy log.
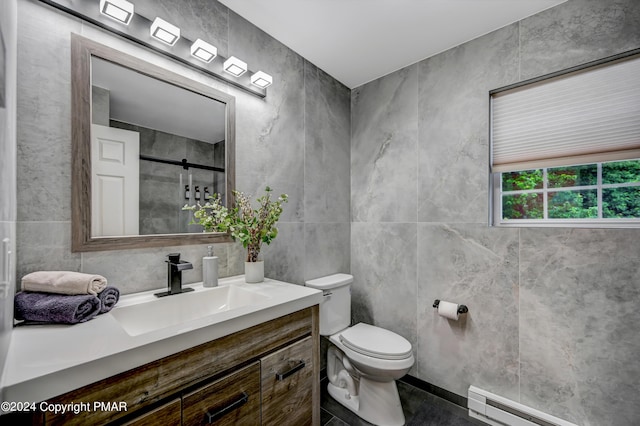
(376, 402)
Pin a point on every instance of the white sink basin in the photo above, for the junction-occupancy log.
(154, 313)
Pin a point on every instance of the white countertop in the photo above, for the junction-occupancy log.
(47, 360)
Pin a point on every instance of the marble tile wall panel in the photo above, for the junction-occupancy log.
(477, 266)
(454, 127)
(237, 255)
(383, 263)
(580, 291)
(326, 249)
(284, 257)
(8, 30)
(270, 131)
(7, 168)
(384, 120)
(44, 246)
(577, 32)
(145, 269)
(327, 147)
(44, 113)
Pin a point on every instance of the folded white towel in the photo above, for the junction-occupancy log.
(63, 282)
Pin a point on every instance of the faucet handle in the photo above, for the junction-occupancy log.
(183, 265)
(174, 257)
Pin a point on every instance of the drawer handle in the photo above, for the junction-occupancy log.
(212, 417)
(299, 366)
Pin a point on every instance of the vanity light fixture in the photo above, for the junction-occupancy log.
(261, 79)
(118, 10)
(123, 19)
(235, 66)
(164, 31)
(204, 51)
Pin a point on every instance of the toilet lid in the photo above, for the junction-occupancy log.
(375, 342)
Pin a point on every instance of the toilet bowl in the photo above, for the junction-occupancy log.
(376, 352)
(363, 361)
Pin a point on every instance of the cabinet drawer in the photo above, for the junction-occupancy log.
(168, 414)
(287, 385)
(232, 400)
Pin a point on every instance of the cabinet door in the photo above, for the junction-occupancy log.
(168, 414)
(287, 385)
(232, 400)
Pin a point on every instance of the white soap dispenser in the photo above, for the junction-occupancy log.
(210, 269)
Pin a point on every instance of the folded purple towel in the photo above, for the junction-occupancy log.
(108, 297)
(55, 308)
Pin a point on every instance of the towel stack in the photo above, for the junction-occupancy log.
(63, 297)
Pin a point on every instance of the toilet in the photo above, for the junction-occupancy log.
(363, 361)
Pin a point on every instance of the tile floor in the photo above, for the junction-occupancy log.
(421, 408)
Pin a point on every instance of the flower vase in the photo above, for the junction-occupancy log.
(254, 271)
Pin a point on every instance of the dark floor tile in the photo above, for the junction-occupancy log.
(420, 408)
(411, 399)
(337, 422)
(325, 417)
(430, 414)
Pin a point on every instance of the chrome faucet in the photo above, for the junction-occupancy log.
(175, 266)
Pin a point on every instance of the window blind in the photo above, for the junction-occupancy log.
(587, 116)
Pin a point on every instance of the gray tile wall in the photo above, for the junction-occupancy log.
(552, 317)
(549, 325)
(8, 34)
(296, 140)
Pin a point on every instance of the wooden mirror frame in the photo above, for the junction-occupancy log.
(82, 49)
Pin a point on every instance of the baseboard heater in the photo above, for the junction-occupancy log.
(498, 411)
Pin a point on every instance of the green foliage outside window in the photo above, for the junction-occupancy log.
(562, 177)
(522, 206)
(518, 181)
(617, 202)
(621, 202)
(621, 172)
(573, 204)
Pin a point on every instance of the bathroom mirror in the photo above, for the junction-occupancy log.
(145, 142)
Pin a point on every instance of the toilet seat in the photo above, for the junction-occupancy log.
(376, 342)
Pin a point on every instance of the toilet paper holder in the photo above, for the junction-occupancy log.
(462, 309)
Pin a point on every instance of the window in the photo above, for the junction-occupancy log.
(566, 150)
(609, 191)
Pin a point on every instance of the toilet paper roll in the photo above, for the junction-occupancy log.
(448, 310)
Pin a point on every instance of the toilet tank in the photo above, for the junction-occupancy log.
(335, 309)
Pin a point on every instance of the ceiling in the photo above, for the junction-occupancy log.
(357, 41)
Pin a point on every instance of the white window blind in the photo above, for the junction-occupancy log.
(587, 116)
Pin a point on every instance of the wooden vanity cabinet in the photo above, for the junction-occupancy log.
(287, 385)
(267, 374)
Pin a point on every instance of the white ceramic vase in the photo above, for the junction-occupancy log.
(254, 271)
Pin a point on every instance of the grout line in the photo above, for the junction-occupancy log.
(520, 50)
(519, 316)
(417, 317)
(519, 243)
(304, 167)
